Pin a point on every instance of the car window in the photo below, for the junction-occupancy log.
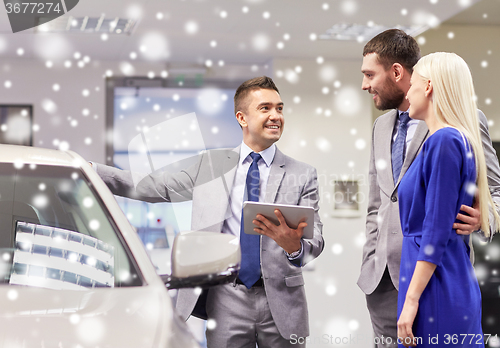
(56, 233)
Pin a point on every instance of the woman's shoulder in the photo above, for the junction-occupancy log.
(447, 140)
(447, 135)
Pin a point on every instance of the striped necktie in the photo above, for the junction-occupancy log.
(250, 244)
(398, 148)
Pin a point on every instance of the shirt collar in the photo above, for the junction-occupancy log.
(400, 112)
(267, 155)
(412, 121)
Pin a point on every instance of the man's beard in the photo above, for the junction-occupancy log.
(391, 97)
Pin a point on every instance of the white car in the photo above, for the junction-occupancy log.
(74, 273)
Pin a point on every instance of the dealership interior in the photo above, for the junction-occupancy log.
(98, 77)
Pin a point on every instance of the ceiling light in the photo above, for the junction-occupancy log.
(360, 32)
(89, 25)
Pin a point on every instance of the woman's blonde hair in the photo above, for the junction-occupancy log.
(454, 104)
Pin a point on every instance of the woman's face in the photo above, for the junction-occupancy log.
(419, 97)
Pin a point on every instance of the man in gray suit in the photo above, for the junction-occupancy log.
(387, 67)
(270, 310)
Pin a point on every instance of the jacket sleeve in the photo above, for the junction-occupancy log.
(443, 164)
(311, 248)
(493, 171)
(164, 185)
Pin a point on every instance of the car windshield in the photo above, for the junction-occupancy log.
(56, 233)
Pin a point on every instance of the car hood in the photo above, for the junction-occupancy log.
(119, 317)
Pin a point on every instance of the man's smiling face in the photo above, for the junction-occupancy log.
(262, 120)
(380, 82)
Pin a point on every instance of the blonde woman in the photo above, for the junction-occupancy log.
(439, 301)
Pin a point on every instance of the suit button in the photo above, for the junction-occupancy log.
(394, 199)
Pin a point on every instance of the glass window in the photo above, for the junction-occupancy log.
(57, 234)
(159, 122)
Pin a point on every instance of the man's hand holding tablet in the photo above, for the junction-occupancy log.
(292, 214)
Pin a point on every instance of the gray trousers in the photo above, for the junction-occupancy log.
(383, 307)
(242, 319)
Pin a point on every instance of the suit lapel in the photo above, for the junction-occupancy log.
(384, 143)
(275, 176)
(229, 169)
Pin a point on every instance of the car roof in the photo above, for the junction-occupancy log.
(37, 155)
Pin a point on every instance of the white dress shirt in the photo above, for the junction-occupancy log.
(238, 193)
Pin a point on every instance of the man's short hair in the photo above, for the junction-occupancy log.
(246, 87)
(394, 46)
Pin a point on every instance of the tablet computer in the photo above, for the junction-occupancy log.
(293, 214)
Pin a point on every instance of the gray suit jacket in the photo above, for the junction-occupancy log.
(383, 229)
(208, 184)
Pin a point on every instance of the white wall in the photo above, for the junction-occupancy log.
(32, 83)
(475, 44)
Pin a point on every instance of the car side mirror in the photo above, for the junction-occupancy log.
(202, 259)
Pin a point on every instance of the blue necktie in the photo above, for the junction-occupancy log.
(250, 244)
(398, 148)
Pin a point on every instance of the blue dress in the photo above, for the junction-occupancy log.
(439, 181)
